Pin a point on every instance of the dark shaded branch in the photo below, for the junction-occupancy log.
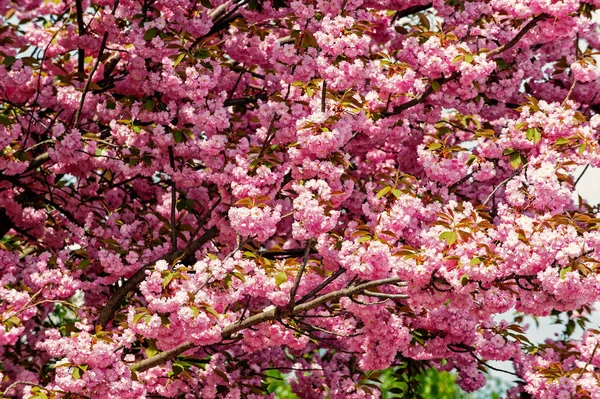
(81, 32)
(300, 273)
(173, 202)
(131, 284)
(510, 44)
(503, 183)
(286, 253)
(86, 88)
(244, 100)
(324, 284)
(270, 315)
(429, 90)
(38, 161)
(410, 11)
(5, 223)
(581, 175)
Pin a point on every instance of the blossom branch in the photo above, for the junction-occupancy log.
(429, 90)
(131, 284)
(173, 201)
(300, 272)
(265, 316)
(86, 88)
(502, 183)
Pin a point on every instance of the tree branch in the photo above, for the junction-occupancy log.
(81, 32)
(510, 44)
(423, 96)
(173, 202)
(410, 11)
(131, 284)
(300, 273)
(86, 88)
(502, 183)
(269, 315)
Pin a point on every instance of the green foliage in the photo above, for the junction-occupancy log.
(429, 384)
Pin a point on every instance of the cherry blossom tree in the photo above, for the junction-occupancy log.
(196, 196)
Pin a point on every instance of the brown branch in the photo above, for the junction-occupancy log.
(269, 315)
(218, 26)
(38, 161)
(581, 175)
(429, 90)
(173, 202)
(86, 88)
(384, 295)
(5, 223)
(244, 100)
(324, 284)
(410, 11)
(300, 273)
(324, 96)
(131, 284)
(81, 32)
(513, 42)
(504, 182)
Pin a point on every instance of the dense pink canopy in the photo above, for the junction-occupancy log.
(193, 193)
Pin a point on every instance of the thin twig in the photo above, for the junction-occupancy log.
(173, 201)
(502, 183)
(324, 96)
(265, 316)
(318, 288)
(131, 284)
(384, 295)
(86, 88)
(582, 173)
(569, 92)
(589, 361)
(80, 32)
(300, 272)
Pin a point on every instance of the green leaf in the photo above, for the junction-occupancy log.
(434, 146)
(501, 63)
(472, 158)
(280, 278)
(449, 236)
(435, 85)
(582, 148)
(83, 264)
(76, 373)
(534, 134)
(383, 191)
(167, 279)
(177, 369)
(515, 160)
(222, 375)
(464, 280)
(178, 59)
(475, 261)
(563, 272)
(152, 349)
(150, 34)
(211, 310)
(6, 121)
(138, 317)
(206, 3)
